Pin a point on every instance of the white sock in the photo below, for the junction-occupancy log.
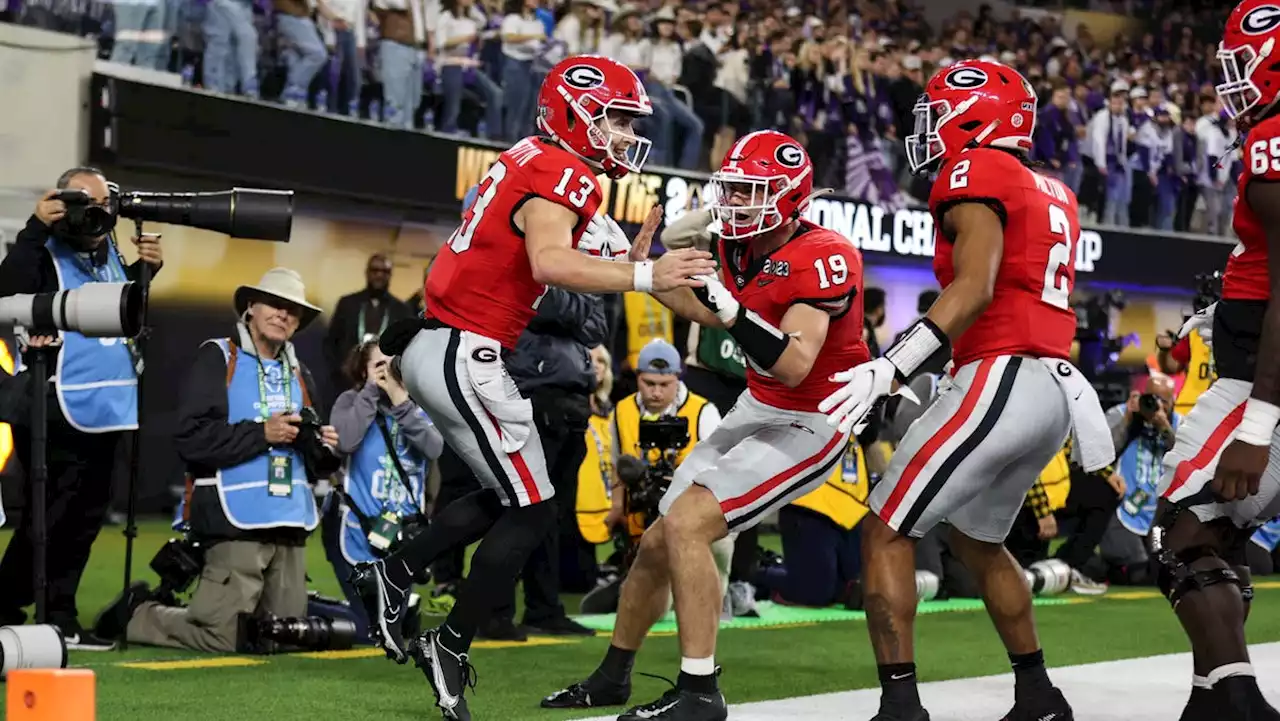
(1229, 670)
(1200, 681)
(698, 666)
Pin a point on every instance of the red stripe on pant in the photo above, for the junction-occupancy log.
(517, 460)
(1208, 451)
(755, 494)
(922, 457)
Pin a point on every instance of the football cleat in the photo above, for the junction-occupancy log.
(595, 690)
(450, 674)
(386, 606)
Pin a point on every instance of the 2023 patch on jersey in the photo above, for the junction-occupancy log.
(816, 267)
(1029, 312)
(481, 280)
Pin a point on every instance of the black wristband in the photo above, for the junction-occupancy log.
(759, 340)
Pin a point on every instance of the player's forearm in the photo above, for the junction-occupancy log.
(959, 306)
(1168, 364)
(794, 364)
(682, 302)
(566, 268)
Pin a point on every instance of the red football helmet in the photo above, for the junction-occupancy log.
(972, 104)
(772, 174)
(1251, 79)
(574, 105)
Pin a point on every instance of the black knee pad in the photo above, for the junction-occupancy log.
(1178, 578)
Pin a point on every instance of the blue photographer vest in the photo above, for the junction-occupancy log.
(1141, 470)
(243, 489)
(97, 384)
(1268, 536)
(372, 481)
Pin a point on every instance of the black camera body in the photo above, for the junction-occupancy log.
(1148, 404)
(84, 217)
(178, 564)
(666, 433)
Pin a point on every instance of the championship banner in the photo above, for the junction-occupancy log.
(178, 132)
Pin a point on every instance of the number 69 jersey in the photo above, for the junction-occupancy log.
(1028, 314)
(816, 267)
(482, 281)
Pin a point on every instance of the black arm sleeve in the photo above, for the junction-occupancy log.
(27, 266)
(203, 436)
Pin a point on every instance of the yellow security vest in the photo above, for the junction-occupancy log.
(1056, 479)
(626, 415)
(1200, 375)
(646, 319)
(843, 498)
(595, 477)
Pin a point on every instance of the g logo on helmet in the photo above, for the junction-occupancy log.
(789, 156)
(1261, 20)
(966, 78)
(584, 77)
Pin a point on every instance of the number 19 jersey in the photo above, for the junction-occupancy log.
(1029, 314)
(481, 280)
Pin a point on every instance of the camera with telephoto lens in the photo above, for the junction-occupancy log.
(1148, 404)
(667, 435)
(239, 212)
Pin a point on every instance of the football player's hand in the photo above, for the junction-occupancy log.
(1239, 471)
(679, 268)
(717, 298)
(1201, 322)
(604, 239)
(644, 239)
(863, 385)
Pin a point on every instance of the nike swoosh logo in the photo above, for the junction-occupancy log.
(455, 633)
(899, 677)
(73, 639)
(654, 713)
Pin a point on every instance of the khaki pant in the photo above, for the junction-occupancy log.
(238, 577)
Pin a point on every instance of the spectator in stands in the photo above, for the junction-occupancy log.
(1214, 132)
(1056, 139)
(230, 47)
(582, 28)
(301, 48)
(457, 39)
(403, 34)
(1187, 149)
(1110, 134)
(523, 36)
(678, 119)
(346, 35)
(142, 37)
(362, 315)
(1156, 163)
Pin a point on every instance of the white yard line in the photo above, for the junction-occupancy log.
(1144, 689)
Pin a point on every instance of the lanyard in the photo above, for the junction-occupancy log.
(605, 476)
(285, 381)
(360, 329)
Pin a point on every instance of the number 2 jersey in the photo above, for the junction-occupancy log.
(1246, 284)
(481, 280)
(816, 267)
(1029, 314)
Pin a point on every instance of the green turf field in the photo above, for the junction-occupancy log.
(759, 663)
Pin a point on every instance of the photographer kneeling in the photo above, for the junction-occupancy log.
(659, 425)
(253, 445)
(383, 494)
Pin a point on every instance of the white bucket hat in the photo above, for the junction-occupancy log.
(282, 283)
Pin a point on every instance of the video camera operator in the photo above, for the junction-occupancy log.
(1185, 355)
(659, 425)
(253, 445)
(93, 392)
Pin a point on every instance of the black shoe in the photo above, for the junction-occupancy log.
(113, 621)
(449, 674)
(680, 705)
(1048, 706)
(385, 604)
(561, 626)
(79, 639)
(502, 629)
(596, 690)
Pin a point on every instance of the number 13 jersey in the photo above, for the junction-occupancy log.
(1029, 314)
(481, 280)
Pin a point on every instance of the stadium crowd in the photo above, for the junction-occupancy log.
(1132, 124)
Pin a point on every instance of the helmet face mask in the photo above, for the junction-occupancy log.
(587, 104)
(745, 205)
(924, 146)
(1238, 92)
(766, 181)
(1251, 76)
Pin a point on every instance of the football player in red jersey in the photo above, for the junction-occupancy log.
(1218, 486)
(790, 293)
(1006, 245)
(533, 224)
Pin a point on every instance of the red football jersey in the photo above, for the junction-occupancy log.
(820, 268)
(481, 280)
(1029, 314)
(1246, 277)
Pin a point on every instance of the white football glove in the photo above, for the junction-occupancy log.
(1202, 322)
(604, 239)
(847, 408)
(717, 298)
